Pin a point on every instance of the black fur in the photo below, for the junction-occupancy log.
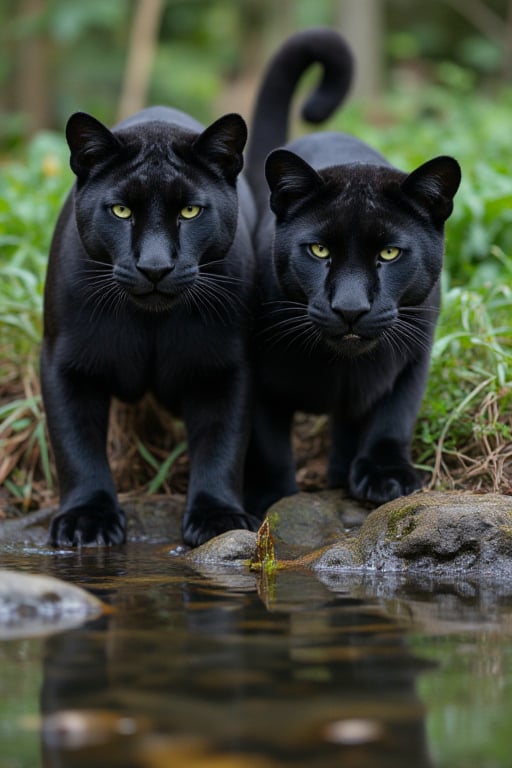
(152, 302)
(349, 334)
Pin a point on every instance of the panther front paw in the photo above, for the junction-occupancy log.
(88, 525)
(370, 481)
(202, 525)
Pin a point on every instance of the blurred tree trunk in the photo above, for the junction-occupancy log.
(491, 25)
(141, 52)
(254, 18)
(32, 86)
(361, 22)
(507, 52)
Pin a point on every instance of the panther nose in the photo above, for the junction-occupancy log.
(155, 273)
(350, 315)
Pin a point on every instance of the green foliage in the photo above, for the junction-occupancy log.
(467, 411)
(30, 195)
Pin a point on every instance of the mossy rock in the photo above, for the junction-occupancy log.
(432, 533)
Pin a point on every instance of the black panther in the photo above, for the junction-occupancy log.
(349, 252)
(150, 289)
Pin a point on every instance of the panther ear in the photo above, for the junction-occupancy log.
(221, 145)
(290, 179)
(433, 185)
(90, 142)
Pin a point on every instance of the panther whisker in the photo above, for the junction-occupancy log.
(285, 305)
(392, 343)
(188, 298)
(210, 300)
(293, 333)
(204, 304)
(314, 341)
(412, 317)
(221, 291)
(224, 296)
(223, 278)
(414, 331)
(288, 322)
(104, 299)
(411, 338)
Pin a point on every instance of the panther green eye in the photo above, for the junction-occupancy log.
(190, 212)
(389, 254)
(319, 250)
(121, 211)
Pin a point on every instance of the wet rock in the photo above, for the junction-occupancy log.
(436, 534)
(149, 519)
(307, 521)
(230, 548)
(154, 520)
(432, 533)
(298, 525)
(27, 529)
(32, 604)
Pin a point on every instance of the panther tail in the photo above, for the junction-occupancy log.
(269, 129)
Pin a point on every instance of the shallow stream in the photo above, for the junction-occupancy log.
(224, 669)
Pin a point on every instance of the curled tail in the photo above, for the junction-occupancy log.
(269, 129)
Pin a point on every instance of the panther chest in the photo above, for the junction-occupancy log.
(132, 358)
(318, 383)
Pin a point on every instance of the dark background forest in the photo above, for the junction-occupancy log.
(111, 57)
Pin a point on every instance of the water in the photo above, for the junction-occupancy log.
(225, 670)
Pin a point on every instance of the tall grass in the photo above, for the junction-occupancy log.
(464, 433)
(30, 194)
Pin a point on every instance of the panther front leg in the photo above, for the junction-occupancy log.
(382, 469)
(217, 421)
(77, 416)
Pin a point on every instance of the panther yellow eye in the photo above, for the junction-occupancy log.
(319, 250)
(190, 212)
(121, 211)
(389, 254)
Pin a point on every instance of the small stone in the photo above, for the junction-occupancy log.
(231, 548)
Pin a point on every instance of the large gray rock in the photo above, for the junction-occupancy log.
(431, 533)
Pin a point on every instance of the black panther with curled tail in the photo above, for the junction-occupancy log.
(349, 256)
(149, 289)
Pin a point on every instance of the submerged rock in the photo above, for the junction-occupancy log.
(431, 533)
(33, 604)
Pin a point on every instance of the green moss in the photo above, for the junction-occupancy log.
(398, 525)
(273, 519)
